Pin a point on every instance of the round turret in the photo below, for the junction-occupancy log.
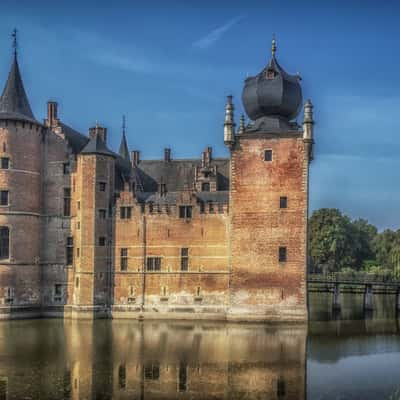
(273, 93)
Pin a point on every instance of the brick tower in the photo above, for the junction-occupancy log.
(20, 195)
(269, 198)
(92, 225)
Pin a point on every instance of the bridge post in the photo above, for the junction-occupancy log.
(398, 299)
(368, 298)
(336, 297)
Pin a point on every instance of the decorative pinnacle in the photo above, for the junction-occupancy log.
(123, 124)
(273, 45)
(242, 127)
(308, 112)
(15, 41)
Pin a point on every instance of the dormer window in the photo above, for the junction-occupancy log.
(270, 73)
(205, 187)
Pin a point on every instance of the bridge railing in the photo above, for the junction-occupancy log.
(360, 277)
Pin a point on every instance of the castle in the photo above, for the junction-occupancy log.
(86, 232)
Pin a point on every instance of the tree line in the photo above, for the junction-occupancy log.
(340, 244)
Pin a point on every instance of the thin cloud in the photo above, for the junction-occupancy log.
(216, 34)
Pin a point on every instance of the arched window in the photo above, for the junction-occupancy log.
(4, 242)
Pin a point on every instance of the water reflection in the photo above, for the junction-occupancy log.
(55, 359)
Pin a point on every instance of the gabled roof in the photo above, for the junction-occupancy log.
(14, 102)
(96, 145)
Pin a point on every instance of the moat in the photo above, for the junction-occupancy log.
(356, 357)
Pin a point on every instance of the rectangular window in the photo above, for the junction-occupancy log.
(124, 259)
(282, 254)
(182, 377)
(220, 208)
(283, 202)
(202, 207)
(125, 212)
(67, 202)
(78, 205)
(4, 242)
(78, 225)
(77, 282)
(9, 294)
(102, 214)
(122, 376)
(70, 250)
(205, 187)
(4, 197)
(5, 163)
(268, 155)
(185, 211)
(153, 263)
(102, 186)
(210, 207)
(57, 292)
(152, 371)
(78, 252)
(66, 168)
(184, 259)
(102, 241)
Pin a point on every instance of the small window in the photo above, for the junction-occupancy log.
(57, 292)
(5, 163)
(78, 205)
(283, 202)
(124, 259)
(282, 254)
(205, 187)
(268, 155)
(154, 264)
(182, 377)
(122, 376)
(184, 259)
(151, 208)
(202, 207)
(78, 225)
(152, 371)
(102, 186)
(4, 197)
(198, 291)
(67, 202)
(185, 211)
(9, 294)
(66, 168)
(77, 282)
(125, 212)
(102, 214)
(70, 250)
(4, 242)
(210, 207)
(220, 208)
(102, 241)
(281, 388)
(78, 252)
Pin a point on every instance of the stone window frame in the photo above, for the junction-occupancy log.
(185, 211)
(152, 371)
(9, 294)
(154, 260)
(8, 197)
(58, 292)
(124, 255)
(67, 198)
(69, 250)
(268, 155)
(184, 259)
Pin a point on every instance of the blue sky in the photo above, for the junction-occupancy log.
(168, 65)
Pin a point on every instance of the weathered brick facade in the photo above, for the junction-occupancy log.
(93, 233)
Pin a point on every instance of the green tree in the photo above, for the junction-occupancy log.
(364, 235)
(331, 240)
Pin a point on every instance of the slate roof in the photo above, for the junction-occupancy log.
(76, 140)
(178, 174)
(96, 145)
(14, 102)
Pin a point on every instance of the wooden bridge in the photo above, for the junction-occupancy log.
(368, 285)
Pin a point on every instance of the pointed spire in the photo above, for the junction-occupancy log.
(14, 102)
(123, 148)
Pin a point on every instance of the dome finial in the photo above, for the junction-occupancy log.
(273, 45)
(15, 41)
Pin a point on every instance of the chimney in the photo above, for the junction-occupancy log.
(135, 157)
(98, 130)
(52, 118)
(207, 155)
(167, 154)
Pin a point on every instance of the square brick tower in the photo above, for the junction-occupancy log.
(269, 198)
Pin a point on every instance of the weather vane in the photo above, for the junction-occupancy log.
(273, 47)
(15, 42)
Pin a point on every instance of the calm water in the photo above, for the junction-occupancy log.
(336, 359)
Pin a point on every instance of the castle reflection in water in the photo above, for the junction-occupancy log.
(127, 360)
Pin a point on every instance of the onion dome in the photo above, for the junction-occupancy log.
(14, 102)
(272, 98)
